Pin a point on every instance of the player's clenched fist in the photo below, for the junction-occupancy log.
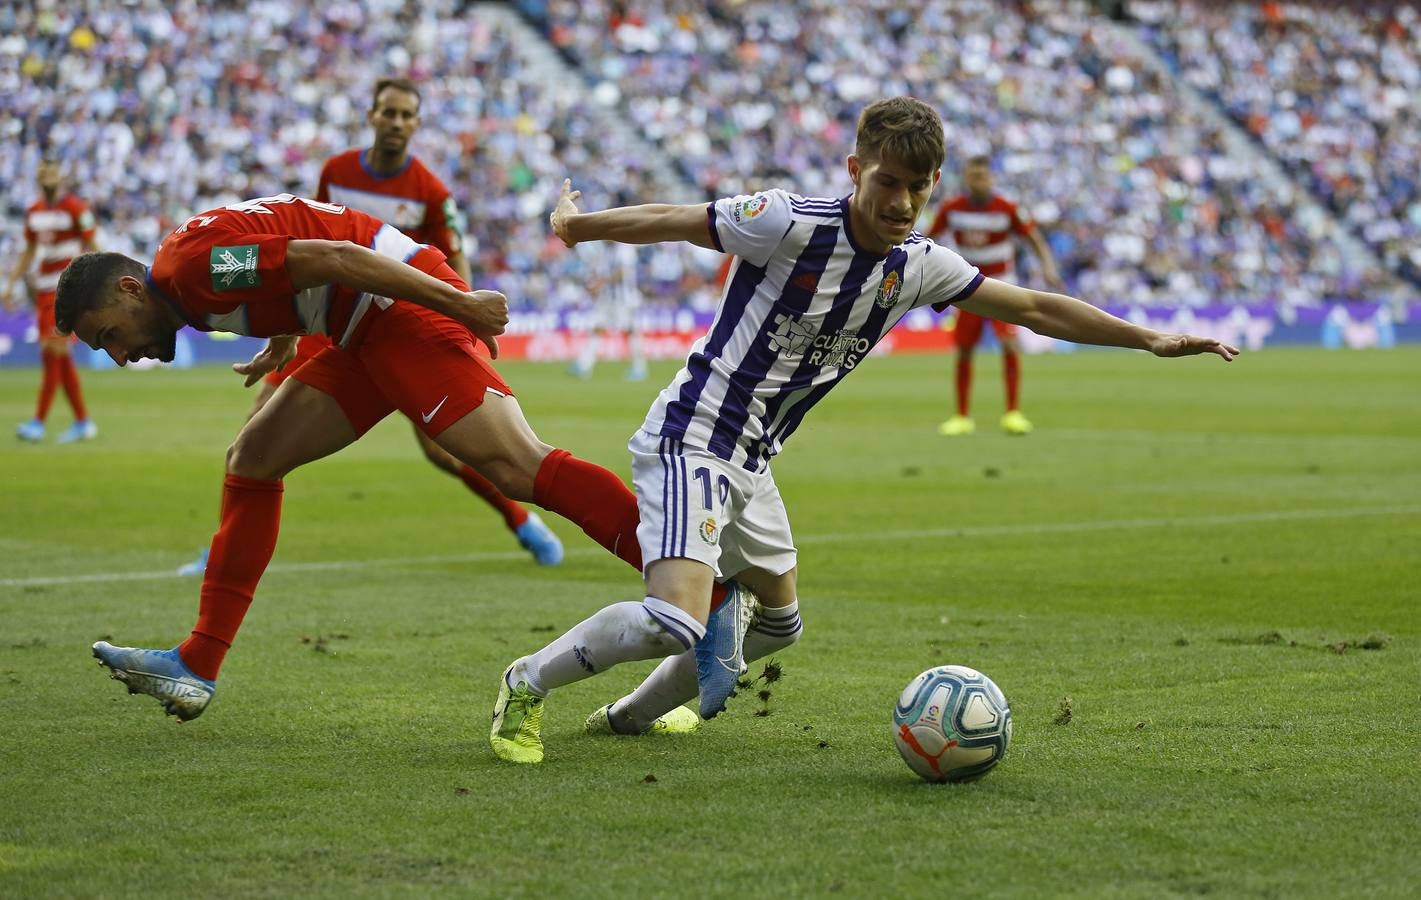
(567, 206)
(486, 315)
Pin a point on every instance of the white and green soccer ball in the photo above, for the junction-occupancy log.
(952, 723)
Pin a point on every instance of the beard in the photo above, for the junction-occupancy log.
(167, 345)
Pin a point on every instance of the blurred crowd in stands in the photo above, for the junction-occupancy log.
(1332, 90)
(160, 109)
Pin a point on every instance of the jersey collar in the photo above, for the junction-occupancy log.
(364, 164)
(157, 292)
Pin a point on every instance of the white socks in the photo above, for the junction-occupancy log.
(674, 681)
(616, 634)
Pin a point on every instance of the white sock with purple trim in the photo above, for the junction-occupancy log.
(673, 683)
(622, 632)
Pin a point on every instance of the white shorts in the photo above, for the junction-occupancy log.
(696, 505)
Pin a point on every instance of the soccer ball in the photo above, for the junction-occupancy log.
(952, 723)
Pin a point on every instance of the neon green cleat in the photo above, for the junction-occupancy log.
(956, 426)
(1015, 423)
(517, 732)
(681, 720)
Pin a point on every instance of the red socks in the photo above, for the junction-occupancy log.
(593, 499)
(241, 550)
(964, 383)
(57, 369)
(1011, 369)
(513, 514)
(49, 380)
(596, 501)
(69, 377)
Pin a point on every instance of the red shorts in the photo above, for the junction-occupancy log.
(306, 350)
(408, 358)
(967, 329)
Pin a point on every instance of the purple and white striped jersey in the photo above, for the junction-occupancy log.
(802, 307)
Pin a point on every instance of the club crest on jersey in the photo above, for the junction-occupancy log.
(709, 531)
(889, 290)
(234, 267)
(751, 207)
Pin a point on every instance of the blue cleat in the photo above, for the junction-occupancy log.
(160, 674)
(197, 566)
(32, 431)
(539, 540)
(720, 655)
(79, 431)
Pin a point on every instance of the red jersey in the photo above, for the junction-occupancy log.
(58, 232)
(413, 199)
(983, 232)
(225, 269)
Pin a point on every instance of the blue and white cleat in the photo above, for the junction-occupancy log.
(539, 540)
(197, 566)
(32, 431)
(720, 655)
(160, 674)
(79, 431)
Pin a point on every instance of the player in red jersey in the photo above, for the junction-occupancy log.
(392, 185)
(58, 226)
(283, 266)
(982, 223)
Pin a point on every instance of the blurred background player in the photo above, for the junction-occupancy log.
(58, 227)
(391, 184)
(612, 281)
(982, 223)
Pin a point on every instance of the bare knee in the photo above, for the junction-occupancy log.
(512, 467)
(246, 458)
(773, 591)
(512, 479)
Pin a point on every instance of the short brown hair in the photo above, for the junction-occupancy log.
(86, 284)
(981, 159)
(399, 84)
(904, 128)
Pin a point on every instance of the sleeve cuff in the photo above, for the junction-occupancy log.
(710, 223)
(963, 294)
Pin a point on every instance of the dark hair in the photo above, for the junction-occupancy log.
(981, 159)
(904, 128)
(399, 84)
(86, 284)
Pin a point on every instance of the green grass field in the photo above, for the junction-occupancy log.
(1193, 553)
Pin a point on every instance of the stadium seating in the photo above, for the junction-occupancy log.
(160, 111)
(1333, 90)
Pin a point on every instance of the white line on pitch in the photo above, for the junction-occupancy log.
(965, 531)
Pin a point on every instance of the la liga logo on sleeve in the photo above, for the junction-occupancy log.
(750, 207)
(234, 268)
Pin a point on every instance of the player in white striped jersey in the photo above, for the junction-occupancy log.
(816, 284)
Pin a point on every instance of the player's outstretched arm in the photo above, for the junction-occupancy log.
(313, 263)
(1059, 316)
(649, 223)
